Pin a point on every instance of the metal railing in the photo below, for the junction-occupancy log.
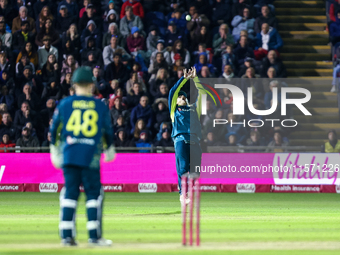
(209, 149)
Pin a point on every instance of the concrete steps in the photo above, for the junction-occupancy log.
(318, 127)
(297, 11)
(302, 27)
(308, 135)
(319, 111)
(326, 86)
(309, 72)
(309, 64)
(300, 80)
(321, 103)
(316, 118)
(304, 34)
(317, 95)
(299, 4)
(305, 57)
(302, 19)
(308, 142)
(325, 49)
(301, 42)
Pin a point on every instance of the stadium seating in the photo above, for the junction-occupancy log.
(306, 54)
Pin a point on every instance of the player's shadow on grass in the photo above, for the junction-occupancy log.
(155, 214)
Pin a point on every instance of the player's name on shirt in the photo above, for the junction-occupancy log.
(83, 104)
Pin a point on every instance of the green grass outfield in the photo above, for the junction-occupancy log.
(268, 223)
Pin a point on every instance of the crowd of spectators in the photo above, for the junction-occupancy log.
(137, 50)
(333, 11)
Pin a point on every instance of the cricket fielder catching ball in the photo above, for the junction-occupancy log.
(81, 127)
(186, 127)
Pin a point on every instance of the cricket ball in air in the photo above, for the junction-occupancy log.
(188, 17)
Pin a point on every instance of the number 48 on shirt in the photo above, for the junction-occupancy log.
(85, 123)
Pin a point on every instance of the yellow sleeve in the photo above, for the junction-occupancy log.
(201, 91)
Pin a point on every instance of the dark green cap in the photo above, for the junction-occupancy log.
(83, 75)
(182, 93)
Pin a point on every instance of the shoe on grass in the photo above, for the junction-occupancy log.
(182, 198)
(100, 242)
(69, 241)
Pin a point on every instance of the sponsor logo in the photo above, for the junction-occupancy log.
(9, 187)
(112, 188)
(306, 189)
(281, 188)
(208, 188)
(2, 170)
(245, 188)
(72, 140)
(294, 188)
(147, 187)
(305, 168)
(48, 187)
(337, 188)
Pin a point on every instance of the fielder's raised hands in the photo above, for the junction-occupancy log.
(193, 72)
(187, 74)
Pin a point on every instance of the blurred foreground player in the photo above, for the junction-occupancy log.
(81, 126)
(186, 127)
